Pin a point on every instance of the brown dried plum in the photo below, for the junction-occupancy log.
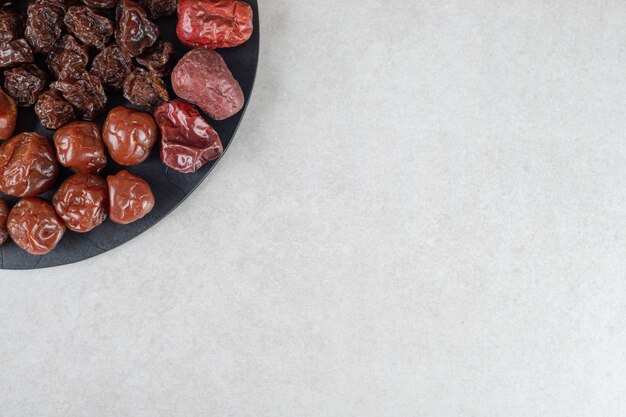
(135, 32)
(130, 197)
(88, 26)
(67, 55)
(158, 58)
(11, 26)
(15, 52)
(53, 110)
(84, 91)
(34, 226)
(8, 116)
(44, 25)
(202, 78)
(129, 135)
(25, 83)
(82, 202)
(4, 213)
(101, 4)
(159, 8)
(27, 165)
(79, 147)
(187, 140)
(145, 89)
(112, 66)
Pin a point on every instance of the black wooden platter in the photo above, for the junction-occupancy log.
(170, 187)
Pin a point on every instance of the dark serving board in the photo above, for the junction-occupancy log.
(170, 187)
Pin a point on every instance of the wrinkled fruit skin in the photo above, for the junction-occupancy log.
(44, 25)
(4, 213)
(15, 52)
(8, 116)
(84, 91)
(53, 110)
(187, 140)
(159, 8)
(28, 165)
(158, 58)
(34, 226)
(88, 26)
(79, 147)
(135, 32)
(10, 25)
(202, 78)
(25, 83)
(130, 197)
(145, 89)
(112, 66)
(67, 55)
(82, 202)
(214, 23)
(129, 135)
(102, 4)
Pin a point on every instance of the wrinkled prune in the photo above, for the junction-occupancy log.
(88, 26)
(129, 135)
(34, 226)
(158, 58)
(130, 197)
(102, 4)
(27, 165)
(82, 202)
(67, 55)
(53, 110)
(187, 140)
(135, 32)
(84, 91)
(145, 89)
(159, 8)
(112, 66)
(25, 83)
(10, 25)
(44, 25)
(4, 213)
(79, 147)
(8, 116)
(214, 24)
(202, 77)
(15, 52)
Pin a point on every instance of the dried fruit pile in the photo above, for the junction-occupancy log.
(93, 50)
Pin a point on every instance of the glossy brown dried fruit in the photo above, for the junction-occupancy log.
(102, 4)
(67, 55)
(202, 78)
(159, 8)
(129, 135)
(4, 213)
(82, 202)
(112, 66)
(135, 32)
(44, 25)
(79, 147)
(187, 140)
(11, 26)
(53, 110)
(25, 83)
(158, 58)
(8, 116)
(34, 226)
(130, 197)
(145, 89)
(88, 26)
(28, 166)
(84, 91)
(214, 23)
(15, 52)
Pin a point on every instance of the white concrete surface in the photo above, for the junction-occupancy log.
(423, 215)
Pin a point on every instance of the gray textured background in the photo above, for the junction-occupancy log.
(422, 215)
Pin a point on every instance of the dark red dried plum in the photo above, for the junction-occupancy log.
(112, 65)
(158, 58)
(101, 4)
(84, 91)
(53, 110)
(11, 26)
(159, 8)
(44, 25)
(145, 89)
(135, 32)
(67, 55)
(15, 52)
(25, 83)
(88, 26)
